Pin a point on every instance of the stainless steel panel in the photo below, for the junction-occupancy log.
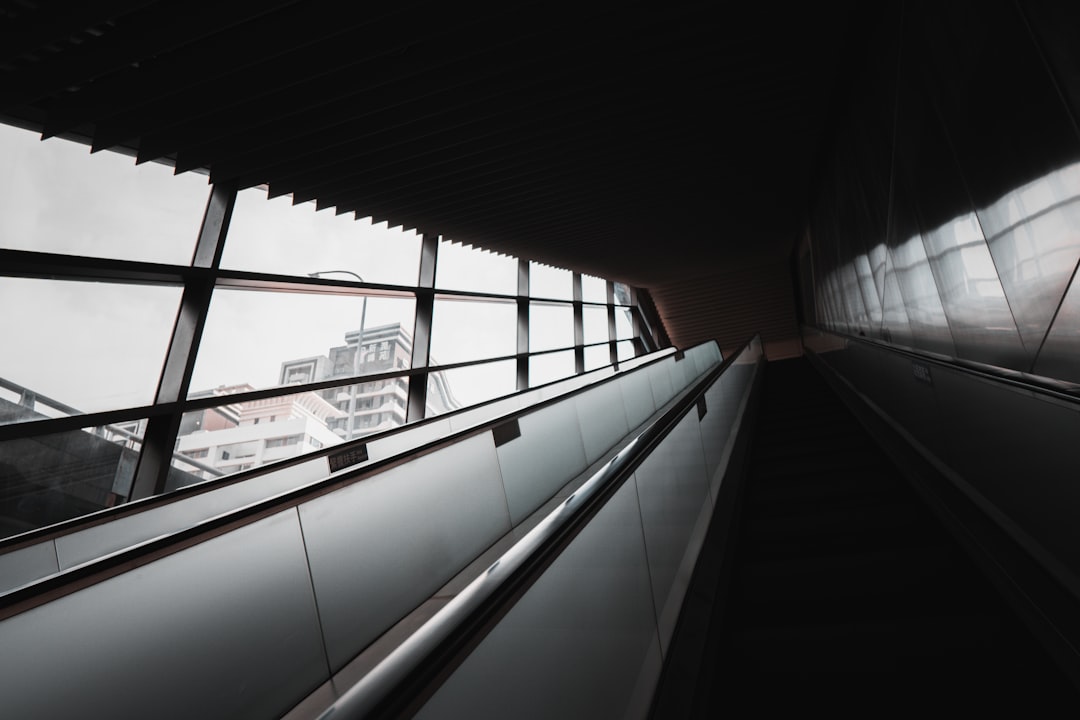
(380, 547)
(225, 629)
(675, 511)
(581, 643)
(549, 453)
(27, 564)
(94, 542)
(637, 396)
(603, 419)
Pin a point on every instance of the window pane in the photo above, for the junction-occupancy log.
(595, 324)
(550, 326)
(625, 350)
(624, 324)
(228, 438)
(622, 294)
(462, 330)
(262, 339)
(551, 283)
(73, 347)
(473, 270)
(462, 387)
(59, 198)
(597, 356)
(593, 289)
(275, 236)
(550, 367)
(51, 478)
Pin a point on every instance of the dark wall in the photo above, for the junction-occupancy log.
(947, 213)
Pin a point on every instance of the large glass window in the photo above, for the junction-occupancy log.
(593, 289)
(75, 347)
(550, 367)
(551, 326)
(550, 283)
(473, 270)
(463, 330)
(283, 362)
(53, 477)
(470, 385)
(265, 339)
(275, 236)
(59, 198)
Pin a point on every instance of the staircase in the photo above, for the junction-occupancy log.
(847, 594)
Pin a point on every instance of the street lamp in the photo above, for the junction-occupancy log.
(356, 355)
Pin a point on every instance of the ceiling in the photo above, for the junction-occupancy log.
(668, 146)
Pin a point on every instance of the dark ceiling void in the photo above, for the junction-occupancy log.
(646, 143)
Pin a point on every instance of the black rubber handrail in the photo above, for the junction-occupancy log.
(402, 682)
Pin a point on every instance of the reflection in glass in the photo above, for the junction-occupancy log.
(597, 356)
(75, 347)
(472, 384)
(266, 339)
(550, 367)
(594, 320)
(1060, 353)
(1032, 236)
(50, 478)
(929, 327)
(464, 330)
(275, 236)
(550, 283)
(59, 198)
(593, 289)
(473, 270)
(551, 326)
(980, 318)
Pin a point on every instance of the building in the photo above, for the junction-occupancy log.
(900, 173)
(243, 435)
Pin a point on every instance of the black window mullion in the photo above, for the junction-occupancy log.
(579, 324)
(523, 325)
(613, 352)
(421, 348)
(159, 439)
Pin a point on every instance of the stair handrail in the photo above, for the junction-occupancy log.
(400, 683)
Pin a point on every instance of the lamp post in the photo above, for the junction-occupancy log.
(359, 348)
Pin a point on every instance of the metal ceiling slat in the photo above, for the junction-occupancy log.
(132, 38)
(247, 44)
(41, 26)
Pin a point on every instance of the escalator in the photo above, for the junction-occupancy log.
(847, 593)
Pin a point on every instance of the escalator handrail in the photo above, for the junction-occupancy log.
(400, 684)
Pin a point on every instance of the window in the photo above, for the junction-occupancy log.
(278, 348)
